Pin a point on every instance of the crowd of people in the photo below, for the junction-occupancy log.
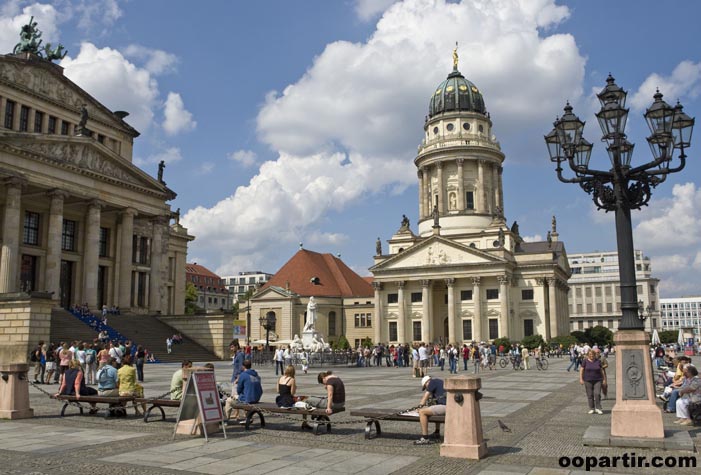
(680, 383)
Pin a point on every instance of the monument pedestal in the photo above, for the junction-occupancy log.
(463, 420)
(308, 337)
(14, 392)
(636, 414)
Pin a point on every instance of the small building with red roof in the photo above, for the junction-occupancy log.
(345, 300)
(212, 294)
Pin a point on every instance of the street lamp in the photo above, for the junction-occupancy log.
(644, 312)
(620, 189)
(268, 322)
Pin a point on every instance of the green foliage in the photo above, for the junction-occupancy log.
(580, 336)
(668, 336)
(342, 343)
(190, 298)
(533, 341)
(602, 336)
(502, 341)
(564, 340)
(367, 342)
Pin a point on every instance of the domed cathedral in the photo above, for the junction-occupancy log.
(465, 275)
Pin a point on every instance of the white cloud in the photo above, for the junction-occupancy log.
(93, 14)
(205, 168)
(155, 61)
(119, 84)
(674, 221)
(673, 263)
(534, 238)
(319, 238)
(368, 9)
(697, 261)
(12, 18)
(247, 158)
(685, 80)
(169, 155)
(177, 119)
(350, 125)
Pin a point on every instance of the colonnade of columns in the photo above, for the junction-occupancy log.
(488, 195)
(13, 227)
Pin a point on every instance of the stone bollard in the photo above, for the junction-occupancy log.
(463, 420)
(14, 392)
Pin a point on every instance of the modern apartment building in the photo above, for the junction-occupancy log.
(242, 282)
(681, 312)
(594, 297)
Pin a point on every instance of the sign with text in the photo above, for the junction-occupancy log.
(210, 405)
(200, 405)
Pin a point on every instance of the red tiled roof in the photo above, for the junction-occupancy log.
(336, 279)
(369, 279)
(197, 269)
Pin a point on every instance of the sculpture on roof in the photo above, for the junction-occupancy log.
(161, 167)
(455, 57)
(378, 247)
(554, 224)
(549, 238)
(514, 228)
(30, 42)
(435, 215)
(405, 223)
(82, 129)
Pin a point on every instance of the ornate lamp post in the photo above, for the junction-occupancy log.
(268, 322)
(620, 189)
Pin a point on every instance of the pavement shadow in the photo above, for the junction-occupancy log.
(502, 449)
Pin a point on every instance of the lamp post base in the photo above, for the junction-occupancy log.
(636, 414)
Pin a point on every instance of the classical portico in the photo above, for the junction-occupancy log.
(79, 219)
(465, 275)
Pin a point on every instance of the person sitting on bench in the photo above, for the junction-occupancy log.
(73, 384)
(176, 382)
(108, 379)
(335, 398)
(433, 388)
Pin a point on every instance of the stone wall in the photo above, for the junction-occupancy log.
(213, 332)
(24, 320)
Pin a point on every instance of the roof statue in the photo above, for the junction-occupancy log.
(405, 223)
(501, 237)
(455, 57)
(435, 215)
(514, 228)
(378, 247)
(161, 167)
(554, 225)
(82, 128)
(550, 240)
(30, 42)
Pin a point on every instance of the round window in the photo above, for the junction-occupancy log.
(450, 127)
(466, 126)
(435, 130)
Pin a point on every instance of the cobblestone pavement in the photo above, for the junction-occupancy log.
(545, 410)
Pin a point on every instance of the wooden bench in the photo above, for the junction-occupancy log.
(318, 417)
(374, 416)
(109, 400)
(157, 404)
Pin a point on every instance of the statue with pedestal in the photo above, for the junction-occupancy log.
(310, 337)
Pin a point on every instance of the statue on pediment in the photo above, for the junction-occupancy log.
(405, 223)
(378, 247)
(54, 53)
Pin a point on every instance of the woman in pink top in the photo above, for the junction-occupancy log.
(103, 356)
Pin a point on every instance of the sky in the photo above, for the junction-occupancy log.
(297, 122)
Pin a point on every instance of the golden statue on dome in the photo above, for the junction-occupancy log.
(455, 57)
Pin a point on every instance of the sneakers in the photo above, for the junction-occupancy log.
(663, 397)
(591, 411)
(598, 411)
(422, 441)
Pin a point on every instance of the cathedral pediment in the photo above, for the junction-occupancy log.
(82, 155)
(44, 79)
(437, 251)
(273, 293)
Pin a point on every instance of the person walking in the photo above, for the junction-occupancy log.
(169, 345)
(279, 361)
(592, 376)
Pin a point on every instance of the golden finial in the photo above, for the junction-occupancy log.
(455, 57)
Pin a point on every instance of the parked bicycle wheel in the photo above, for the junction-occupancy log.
(503, 362)
(544, 363)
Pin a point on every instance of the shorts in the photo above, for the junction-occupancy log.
(50, 366)
(437, 409)
(423, 363)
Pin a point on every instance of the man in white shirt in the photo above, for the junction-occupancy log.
(116, 353)
(423, 360)
(279, 361)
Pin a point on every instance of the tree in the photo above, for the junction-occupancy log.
(190, 298)
(564, 340)
(580, 336)
(502, 341)
(599, 335)
(342, 343)
(668, 336)
(367, 342)
(533, 341)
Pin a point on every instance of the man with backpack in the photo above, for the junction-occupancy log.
(38, 357)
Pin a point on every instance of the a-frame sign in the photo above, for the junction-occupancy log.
(200, 404)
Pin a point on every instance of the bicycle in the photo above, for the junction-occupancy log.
(541, 364)
(503, 361)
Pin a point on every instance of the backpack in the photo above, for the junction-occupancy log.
(90, 357)
(33, 355)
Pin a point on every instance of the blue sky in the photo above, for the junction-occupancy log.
(284, 122)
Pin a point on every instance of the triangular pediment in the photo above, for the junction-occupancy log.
(39, 77)
(272, 293)
(82, 155)
(437, 251)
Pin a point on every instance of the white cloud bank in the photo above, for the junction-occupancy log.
(177, 119)
(350, 125)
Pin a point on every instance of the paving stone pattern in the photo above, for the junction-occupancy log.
(545, 410)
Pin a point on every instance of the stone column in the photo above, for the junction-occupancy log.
(441, 200)
(91, 253)
(125, 257)
(477, 321)
(426, 308)
(504, 288)
(401, 318)
(461, 184)
(495, 191)
(499, 190)
(379, 321)
(542, 281)
(155, 281)
(463, 421)
(450, 283)
(30, 119)
(481, 195)
(45, 123)
(53, 244)
(15, 117)
(422, 201)
(552, 300)
(9, 260)
(428, 200)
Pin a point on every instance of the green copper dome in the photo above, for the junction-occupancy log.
(456, 94)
